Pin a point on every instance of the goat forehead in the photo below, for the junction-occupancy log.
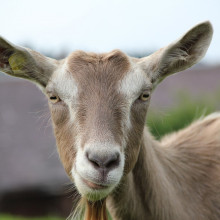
(90, 68)
(108, 73)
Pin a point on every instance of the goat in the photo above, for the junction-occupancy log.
(99, 103)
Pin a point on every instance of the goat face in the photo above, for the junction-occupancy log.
(98, 107)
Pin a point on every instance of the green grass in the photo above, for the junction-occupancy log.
(10, 217)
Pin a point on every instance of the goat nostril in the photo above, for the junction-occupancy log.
(113, 161)
(107, 162)
(92, 159)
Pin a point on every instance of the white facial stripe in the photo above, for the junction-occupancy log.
(131, 86)
(64, 83)
(133, 82)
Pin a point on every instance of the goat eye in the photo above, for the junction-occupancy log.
(144, 96)
(54, 99)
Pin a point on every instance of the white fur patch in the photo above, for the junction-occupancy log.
(132, 85)
(84, 169)
(134, 82)
(63, 83)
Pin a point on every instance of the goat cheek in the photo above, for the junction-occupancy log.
(131, 158)
(134, 139)
(59, 114)
(66, 151)
(59, 118)
(64, 140)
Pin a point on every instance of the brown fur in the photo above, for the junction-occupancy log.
(96, 210)
(177, 178)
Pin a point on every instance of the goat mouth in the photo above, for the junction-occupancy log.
(94, 185)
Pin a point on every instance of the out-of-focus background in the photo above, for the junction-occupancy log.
(33, 182)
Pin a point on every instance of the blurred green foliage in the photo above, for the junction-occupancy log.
(10, 217)
(162, 122)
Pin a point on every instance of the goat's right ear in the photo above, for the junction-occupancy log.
(25, 63)
(180, 55)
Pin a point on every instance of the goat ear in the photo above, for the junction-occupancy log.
(180, 55)
(25, 63)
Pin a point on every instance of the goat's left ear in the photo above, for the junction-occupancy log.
(25, 63)
(180, 55)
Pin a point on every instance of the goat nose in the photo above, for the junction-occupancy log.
(103, 163)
